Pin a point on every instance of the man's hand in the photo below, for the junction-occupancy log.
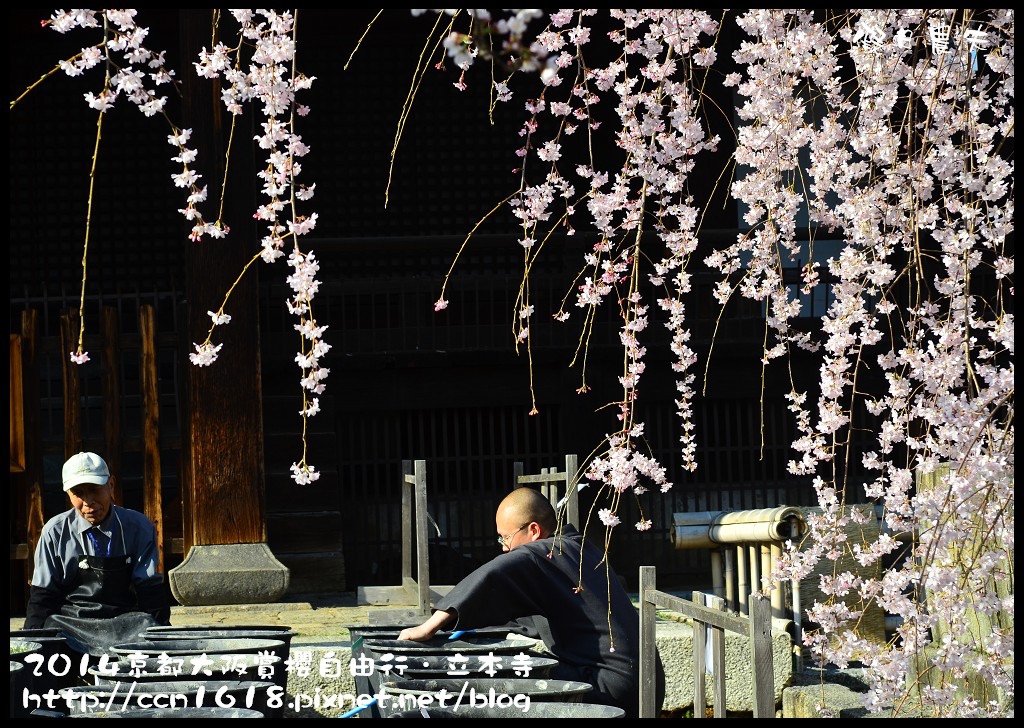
(417, 634)
(428, 629)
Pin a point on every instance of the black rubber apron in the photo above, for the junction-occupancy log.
(101, 611)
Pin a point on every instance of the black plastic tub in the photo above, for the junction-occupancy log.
(191, 668)
(165, 628)
(469, 644)
(284, 634)
(259, 632)
(366, 679)
(371, 642)
(20, 649)
(198, 646)
(19, 682)
(25, 677)
(391, 632)
(174, 713)
(32, 634)
(129, 652)
(61, 666)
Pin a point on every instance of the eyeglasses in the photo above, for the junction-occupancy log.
(506, 540)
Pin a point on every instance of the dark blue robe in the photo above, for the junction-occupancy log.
(536, 584)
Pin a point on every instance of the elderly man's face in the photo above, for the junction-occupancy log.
(91, 501)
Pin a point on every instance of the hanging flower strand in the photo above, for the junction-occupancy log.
(271, 84)
(122, 54)
(889, 132)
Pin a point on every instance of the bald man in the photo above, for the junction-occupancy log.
(536, 581)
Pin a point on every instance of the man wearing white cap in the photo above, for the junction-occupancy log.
(95, 575)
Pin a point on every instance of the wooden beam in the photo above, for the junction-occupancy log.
(648, 646)
(112, 398)
(33, 475)
(152, 496)
(15, 409)
(72, 406)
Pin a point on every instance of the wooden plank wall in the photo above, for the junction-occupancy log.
(31, 505)
(404, 385)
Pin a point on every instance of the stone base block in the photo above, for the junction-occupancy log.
(244, 573)
(675, 647)
(828, 700)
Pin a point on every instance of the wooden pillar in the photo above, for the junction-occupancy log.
(224, 415)
(228, 561)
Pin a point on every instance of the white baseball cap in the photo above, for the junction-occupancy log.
(85, 467)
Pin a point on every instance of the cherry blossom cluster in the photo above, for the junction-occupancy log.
(270, 82)
(491, 35)
(661, 136)
(890, 130)
(625, 467)
(259, 70)
(936, 204)
(131, 71)
(131, 68)
(138, 73)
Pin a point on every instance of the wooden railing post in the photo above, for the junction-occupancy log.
(714, 619)
(548, 480)
(648, 656)
(414, 529)
(761, 658)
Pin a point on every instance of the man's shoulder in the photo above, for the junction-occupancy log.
(136, 518)
(57, 522)
(551, 550)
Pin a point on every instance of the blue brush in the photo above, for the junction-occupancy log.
(352, 712)
(458, 633)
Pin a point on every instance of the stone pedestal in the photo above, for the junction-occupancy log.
(242, 573)
(871, 625)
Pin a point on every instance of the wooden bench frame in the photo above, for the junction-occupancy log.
(714, 620)
(415, 590)
(415, 595)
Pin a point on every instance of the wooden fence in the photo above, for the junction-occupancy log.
(716, 620)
